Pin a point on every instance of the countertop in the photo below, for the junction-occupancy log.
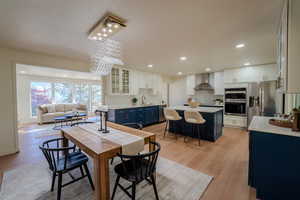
(116, 107)
(209, 105)
(199, 109)
(261, 124)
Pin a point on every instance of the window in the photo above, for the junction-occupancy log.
(96, 97)
(89, 94)
(63, 93)
(82, 94)
(41, 93)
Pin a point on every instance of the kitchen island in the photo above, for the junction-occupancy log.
(142, 114)
(211, 130)
(273, 160)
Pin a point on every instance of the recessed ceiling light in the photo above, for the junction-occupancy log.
(150, 66)
(109, 30)
(109, 25)
(99, 34)
(183, 58)
(100, 38)
(104, 30)
(94, 38)
(179, 73)
(116, 26)
(247, 64)
(238, 46)
(104, 35)
(208, 69)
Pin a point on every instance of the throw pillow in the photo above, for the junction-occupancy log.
(43, 108)
(51, 108)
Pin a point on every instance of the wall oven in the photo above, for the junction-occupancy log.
(236, 101)
(235, 94)
(235, 108)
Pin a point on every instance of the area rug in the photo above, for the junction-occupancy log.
(174, 182)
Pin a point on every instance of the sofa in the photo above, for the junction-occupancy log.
(47, 112)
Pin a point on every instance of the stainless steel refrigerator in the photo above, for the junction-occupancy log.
(270, 101)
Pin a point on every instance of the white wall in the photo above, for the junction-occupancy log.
(8, 105)
(251, 74)
(178, 93)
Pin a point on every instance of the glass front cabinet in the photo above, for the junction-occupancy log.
(120, 81)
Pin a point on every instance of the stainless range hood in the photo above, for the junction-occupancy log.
(204, 85)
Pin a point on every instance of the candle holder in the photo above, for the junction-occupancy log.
(100, 117)
(103, 114)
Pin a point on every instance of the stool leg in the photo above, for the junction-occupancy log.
(199, 135)
(166, 128)
(184, 128)
(176, 130)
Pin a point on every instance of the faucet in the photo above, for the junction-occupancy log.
(143, 99)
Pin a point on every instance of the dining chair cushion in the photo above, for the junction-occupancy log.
(75, 159)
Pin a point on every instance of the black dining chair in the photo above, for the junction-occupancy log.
(134, 125)
(62, 160)
(135, 169)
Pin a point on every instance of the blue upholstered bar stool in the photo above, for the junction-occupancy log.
(196, 120)
(171, 115)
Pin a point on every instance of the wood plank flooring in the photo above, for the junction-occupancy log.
(226, 159)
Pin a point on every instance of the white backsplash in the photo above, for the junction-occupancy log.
(206, 97)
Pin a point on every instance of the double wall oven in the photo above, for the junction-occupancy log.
(236, 101)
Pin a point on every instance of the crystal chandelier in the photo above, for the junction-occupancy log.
(106, 54)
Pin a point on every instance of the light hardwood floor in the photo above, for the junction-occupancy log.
(226, 159)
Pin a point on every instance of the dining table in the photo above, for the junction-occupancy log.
(101, 150)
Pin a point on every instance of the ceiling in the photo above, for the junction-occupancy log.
(158, 32)
(55, 73)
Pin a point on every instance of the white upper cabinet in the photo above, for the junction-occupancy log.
(119, 81)
(289, 47)
(251, 74)
(219, 83)
(146, 80)
(190, 84)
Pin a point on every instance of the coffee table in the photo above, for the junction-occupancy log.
(61, 120)
(75, 117)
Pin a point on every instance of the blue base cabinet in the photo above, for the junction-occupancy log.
(274, 166)
(211, 130)
(143, 115)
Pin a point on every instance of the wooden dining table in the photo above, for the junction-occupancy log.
(101, 150)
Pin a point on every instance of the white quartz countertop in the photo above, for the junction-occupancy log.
(114, 107)
(261, 124)
(199, 109)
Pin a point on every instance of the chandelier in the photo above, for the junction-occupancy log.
(107, 52)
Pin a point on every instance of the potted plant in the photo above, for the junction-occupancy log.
(134, 100)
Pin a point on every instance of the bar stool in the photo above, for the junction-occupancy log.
(171, 115)
(195, 119)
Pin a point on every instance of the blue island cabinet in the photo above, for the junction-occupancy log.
(274, 166)
(143, 115)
